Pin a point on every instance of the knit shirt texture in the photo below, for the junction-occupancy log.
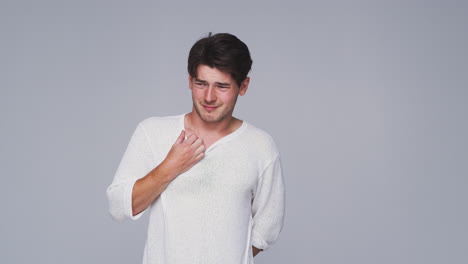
(231, 200)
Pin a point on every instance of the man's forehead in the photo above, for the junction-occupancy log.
(212, 74)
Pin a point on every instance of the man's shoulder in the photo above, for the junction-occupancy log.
(172, 121)
(162, 128)
(258, 133)
(260, 139)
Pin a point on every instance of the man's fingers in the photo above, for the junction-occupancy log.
(181, 137)
(191, 139)
(200, 149)
(197, 143)
(200, 156)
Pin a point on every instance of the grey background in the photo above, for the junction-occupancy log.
(365, 99)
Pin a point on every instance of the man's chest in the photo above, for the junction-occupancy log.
(218, 174)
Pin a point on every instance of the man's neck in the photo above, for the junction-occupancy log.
(200, 127)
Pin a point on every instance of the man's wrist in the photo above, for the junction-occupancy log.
(162, 173)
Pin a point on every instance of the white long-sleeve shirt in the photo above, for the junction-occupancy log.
(231, 200)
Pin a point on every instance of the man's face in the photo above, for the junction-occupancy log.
(214, 93)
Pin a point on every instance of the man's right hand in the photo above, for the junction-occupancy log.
(184, 154)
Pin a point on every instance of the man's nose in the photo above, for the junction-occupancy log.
(210, 95)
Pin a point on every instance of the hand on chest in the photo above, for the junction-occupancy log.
(208, 140)
(221, 172)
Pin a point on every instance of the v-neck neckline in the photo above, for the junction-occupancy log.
(218, 142)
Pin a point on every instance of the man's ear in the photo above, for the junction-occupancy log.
(244, 86)
(190, 81)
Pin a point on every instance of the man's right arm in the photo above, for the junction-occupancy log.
(148, 188)
(182, 156)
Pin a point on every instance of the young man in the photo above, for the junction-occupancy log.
(212, 183)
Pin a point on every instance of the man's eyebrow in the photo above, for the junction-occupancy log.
(218, 83)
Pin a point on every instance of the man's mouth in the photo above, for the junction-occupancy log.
(210, 107)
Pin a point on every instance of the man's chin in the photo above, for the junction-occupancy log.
(209, 118)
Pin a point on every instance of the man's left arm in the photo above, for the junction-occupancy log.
(268, 206)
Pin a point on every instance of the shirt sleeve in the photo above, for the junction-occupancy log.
(268, 206)
(136, 162)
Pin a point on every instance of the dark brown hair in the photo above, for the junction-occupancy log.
(223, 51)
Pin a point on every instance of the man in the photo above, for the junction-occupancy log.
(212, 183)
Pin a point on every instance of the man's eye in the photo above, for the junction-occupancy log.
(223, 87)
(201, 83)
